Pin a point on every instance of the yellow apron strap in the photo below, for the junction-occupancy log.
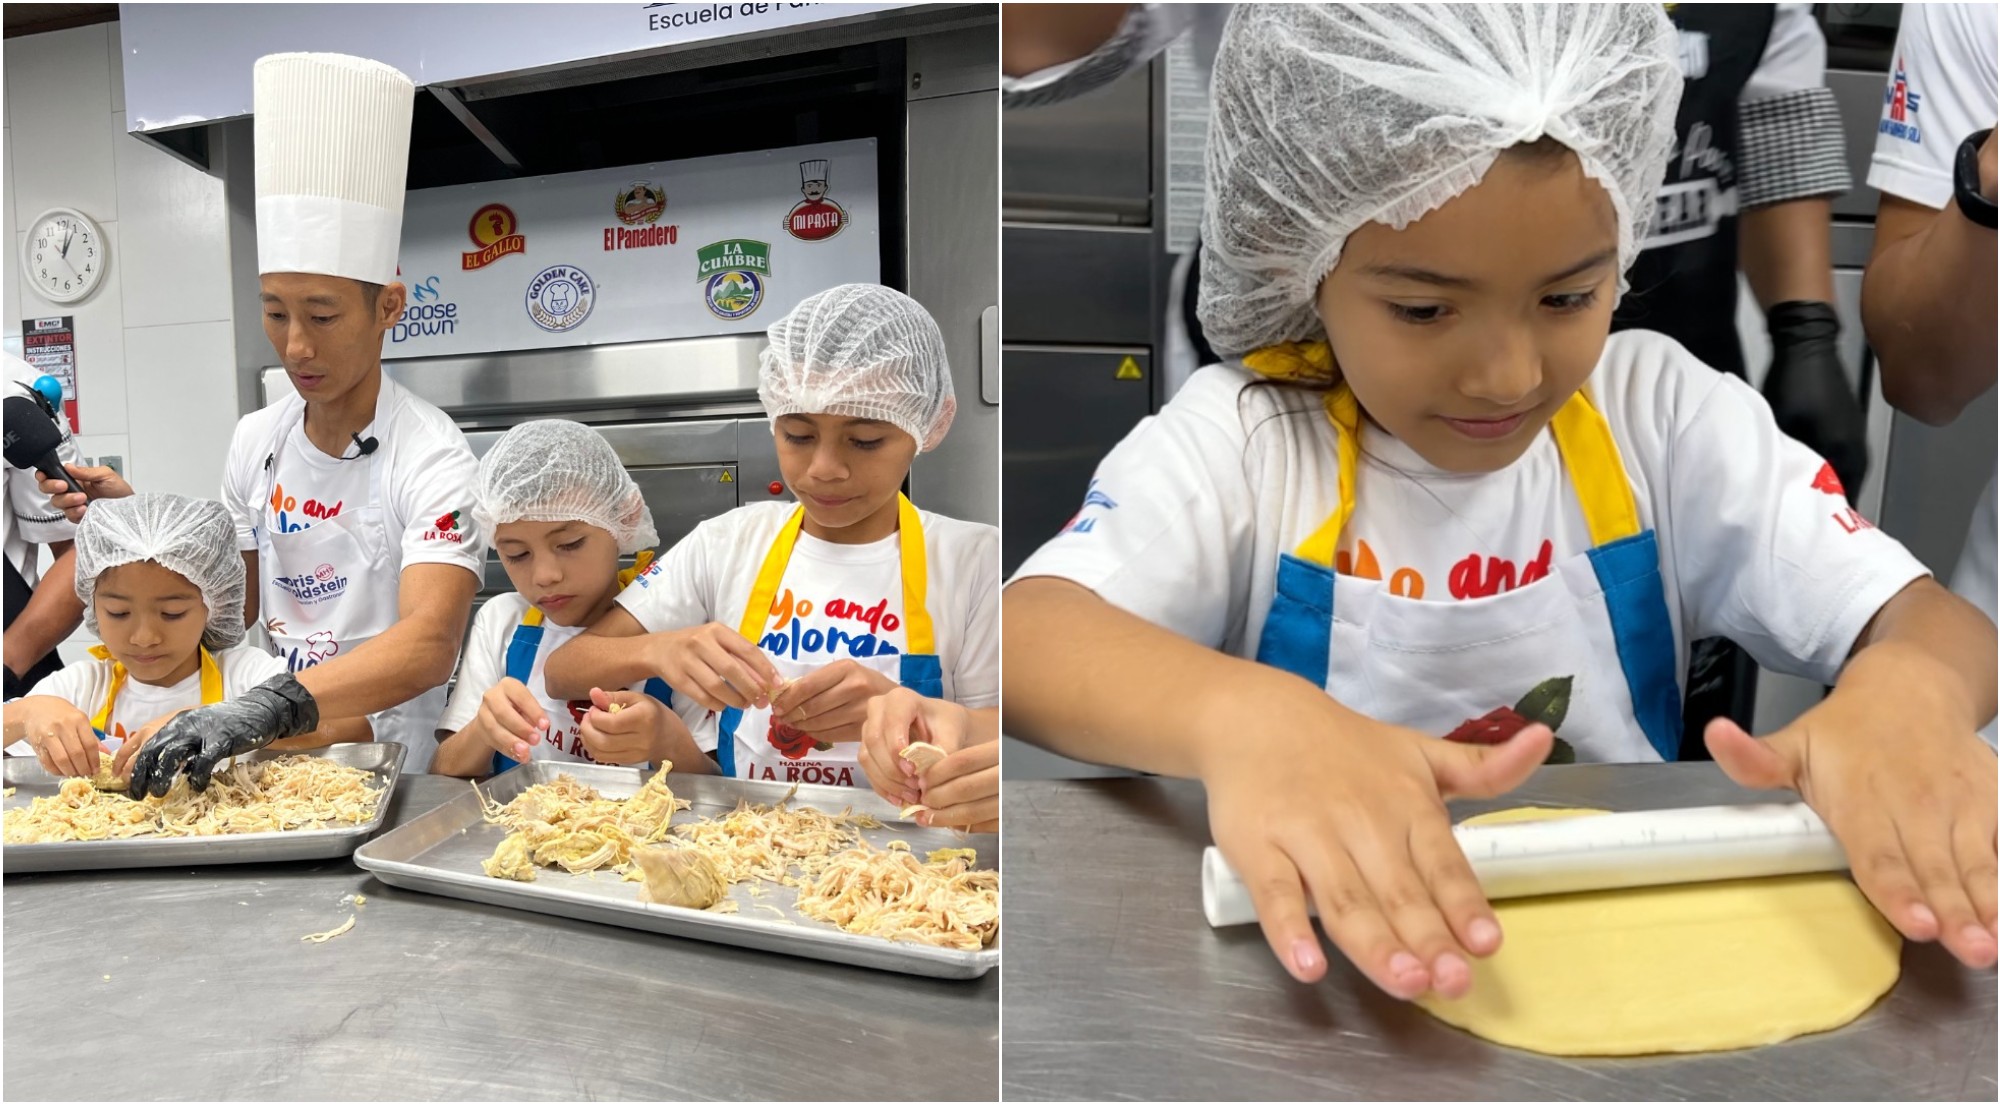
(1591, 456)
(765, 590)
(1582, 436)
(533, 616)
(1345, 414)
(211, 684)
(918, 637)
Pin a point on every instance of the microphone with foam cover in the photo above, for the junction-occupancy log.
(32, 438)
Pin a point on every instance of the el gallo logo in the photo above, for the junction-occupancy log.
(496, 232)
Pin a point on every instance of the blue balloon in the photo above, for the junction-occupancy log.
(51, 389)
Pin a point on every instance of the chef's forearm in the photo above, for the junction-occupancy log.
(409, 658)
(1088, 680)
(1034, 37)
(51, 615)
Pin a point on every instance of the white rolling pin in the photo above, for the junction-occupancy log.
(1604, 852)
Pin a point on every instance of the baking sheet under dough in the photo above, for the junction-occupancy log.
(1693, 967)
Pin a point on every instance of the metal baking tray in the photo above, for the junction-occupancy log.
(440, 853)
(382, 759)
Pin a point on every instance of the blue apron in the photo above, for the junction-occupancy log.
(1589, 649)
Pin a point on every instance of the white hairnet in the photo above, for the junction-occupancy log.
(863, 351)
(195, 538)
(558, 471)
(1330, 116)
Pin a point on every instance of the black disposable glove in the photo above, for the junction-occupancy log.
(1810, 394)
(198, 739)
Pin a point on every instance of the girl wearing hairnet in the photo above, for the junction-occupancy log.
(162, 588)
(561, 510)
(1428, 495)
(789, 618)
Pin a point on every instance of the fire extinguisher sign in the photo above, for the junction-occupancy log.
(49, 345)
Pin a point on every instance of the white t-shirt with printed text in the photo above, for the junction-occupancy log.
(835, 600)
(1188, 516)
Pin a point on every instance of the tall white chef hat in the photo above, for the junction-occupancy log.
(333, 149)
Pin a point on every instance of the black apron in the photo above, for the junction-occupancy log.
(18, 594)
(1684, 282)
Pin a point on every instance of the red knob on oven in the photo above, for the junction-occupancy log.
(777, 487)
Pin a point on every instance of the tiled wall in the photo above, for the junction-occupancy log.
(156, 362)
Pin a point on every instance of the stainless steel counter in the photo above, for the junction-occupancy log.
(192, 983)
(1117, 988)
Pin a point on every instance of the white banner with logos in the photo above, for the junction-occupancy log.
(676, 249)
(190, 63)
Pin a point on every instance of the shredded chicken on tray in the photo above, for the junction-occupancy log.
(287, 793)
(839, 877)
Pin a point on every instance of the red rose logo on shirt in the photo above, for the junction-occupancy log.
(445, 529)
(792, 744)
(1828, 481)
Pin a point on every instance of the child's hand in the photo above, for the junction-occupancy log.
(511, 720)
(121, 760)
(897, 718)
(962, 790)
(627, 735)
(832, 701)
(59, 733)
(713, 665)
(1890, 760)
(1311, 797)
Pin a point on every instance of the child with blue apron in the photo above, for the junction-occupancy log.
(1416, 227)
(561, 510)
(788, 619)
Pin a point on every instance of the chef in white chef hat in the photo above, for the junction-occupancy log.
(351, 497)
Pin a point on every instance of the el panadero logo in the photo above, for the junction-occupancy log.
(496, 232)
(639, 206)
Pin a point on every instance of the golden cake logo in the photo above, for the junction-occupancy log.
(560, 298)
(817, 218)
(732, 276)
(496, 232)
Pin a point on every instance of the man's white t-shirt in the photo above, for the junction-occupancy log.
(28, 519)
(428, 491)
(483, 663)
(835, 601)
(1188, 516)
(1944, 85)
(85, 683)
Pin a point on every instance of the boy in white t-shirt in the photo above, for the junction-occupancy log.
(561, 511)
(788, 619)
(162, 586)
(1430, 496)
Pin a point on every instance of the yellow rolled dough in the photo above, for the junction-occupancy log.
(1691, 967)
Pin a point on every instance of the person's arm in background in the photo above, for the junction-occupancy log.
(1792, 163)
(1927, 302)
(1927, 298)
(1055, 52)
(1034, 37)
(52, 613)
